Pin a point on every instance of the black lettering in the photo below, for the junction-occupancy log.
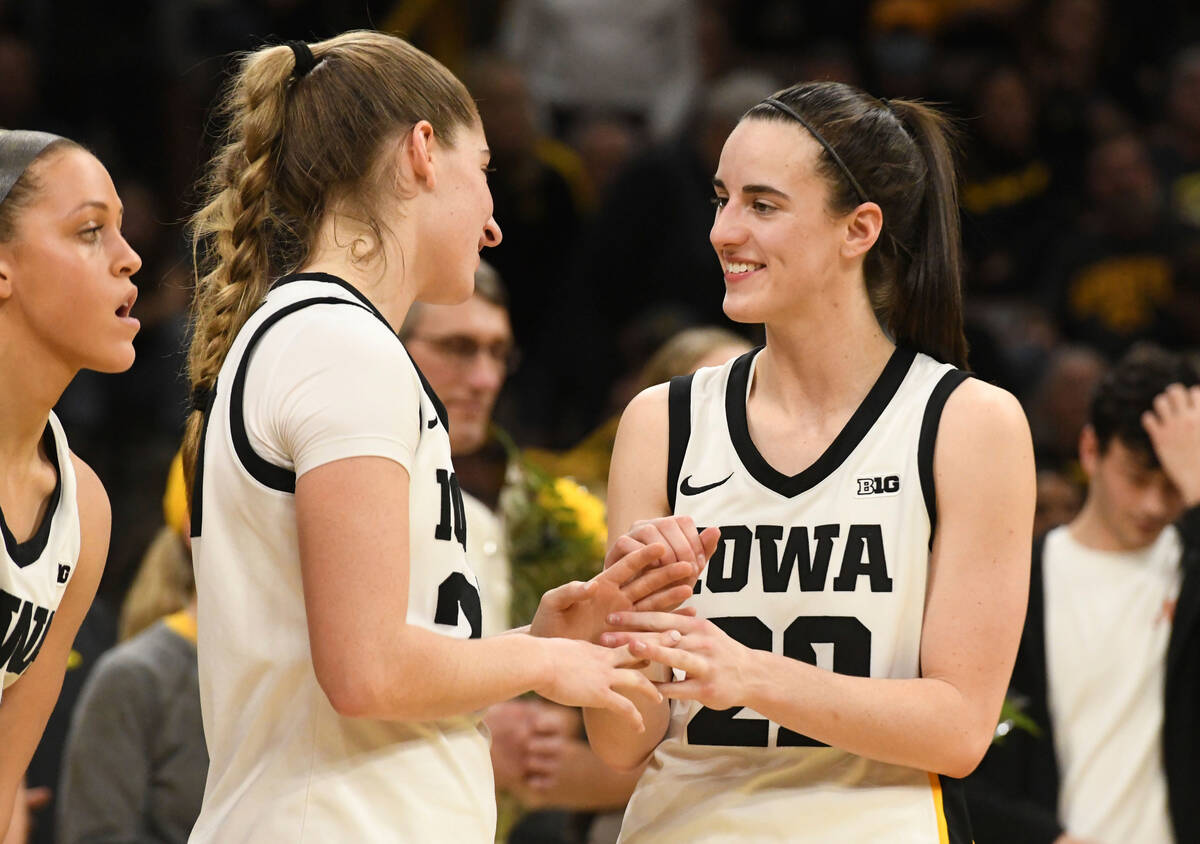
(457, 593)
(64, 572)
(860, 538)
(453, 522)
(811, 570)
(739, 573)
(20, 647)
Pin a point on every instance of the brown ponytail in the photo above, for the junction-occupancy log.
(901, 154)
(296, 141)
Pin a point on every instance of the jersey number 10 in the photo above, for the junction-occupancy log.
(851, 642)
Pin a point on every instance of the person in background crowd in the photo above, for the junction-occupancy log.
(65, 304)
(135, 759)
(1109, 663)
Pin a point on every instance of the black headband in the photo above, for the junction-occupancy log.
(18, 149)
(837, 159)
(305, 61)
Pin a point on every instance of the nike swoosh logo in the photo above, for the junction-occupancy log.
(687, 489)
(433, 422)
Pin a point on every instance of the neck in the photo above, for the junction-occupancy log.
(1092, 530)
(381, 278)
(31, 382)
(826, 356)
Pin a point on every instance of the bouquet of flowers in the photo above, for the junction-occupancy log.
(555, 528)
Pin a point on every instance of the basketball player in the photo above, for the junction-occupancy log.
(341, 669)
(856, 628)
(65, 300)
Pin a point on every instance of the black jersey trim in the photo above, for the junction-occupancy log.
(329, 278)
(928, 439)
(28, 552)
(196, 494)
(954, 808)
(262, 470)
(843, 445)
(679, 428)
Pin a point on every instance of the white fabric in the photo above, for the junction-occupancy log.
(327, 382)
(487, 555)
(30, 594)
(700, 792)
(1107, 628)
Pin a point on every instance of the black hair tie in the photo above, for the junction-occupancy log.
(305, 61)
(202, 399)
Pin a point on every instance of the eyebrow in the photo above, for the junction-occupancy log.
(95, 203)
(754, 190)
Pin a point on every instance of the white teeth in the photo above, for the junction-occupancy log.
(743, 268)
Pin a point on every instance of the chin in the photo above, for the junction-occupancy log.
(117, 360)
(739, 310)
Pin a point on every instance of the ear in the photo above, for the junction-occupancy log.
(1089, 450)
(418, 152)
(7, 270)
(863, 226)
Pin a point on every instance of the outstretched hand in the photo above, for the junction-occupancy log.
(1174, 429)
(655, 572)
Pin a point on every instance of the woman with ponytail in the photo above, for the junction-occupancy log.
(65, 301)
(857, 625)
(341, 670)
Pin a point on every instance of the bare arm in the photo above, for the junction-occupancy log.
(354, 554)
(943, 720)
(27, 703)
(636, 490)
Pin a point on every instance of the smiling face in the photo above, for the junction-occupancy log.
(65, 274)
(777, 240)
(456, 221)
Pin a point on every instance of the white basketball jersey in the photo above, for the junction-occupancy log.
(34, 574)
(285, 766)
(829, 567)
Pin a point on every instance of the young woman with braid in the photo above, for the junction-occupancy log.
(65, 300)
(341, 669)
(857, 625)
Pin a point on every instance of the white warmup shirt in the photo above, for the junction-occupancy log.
(828, 566)
(1107, 626)
(34, 574)
(324, 382)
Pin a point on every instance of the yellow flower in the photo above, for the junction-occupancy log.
(587, 509)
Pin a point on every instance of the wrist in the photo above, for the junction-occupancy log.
(756, 678)
(535, 658)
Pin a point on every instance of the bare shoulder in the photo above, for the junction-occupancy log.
(95, 523)
(977, 413)
(637, 480)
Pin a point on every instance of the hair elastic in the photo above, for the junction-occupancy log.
(18, 149)
(837, 159)
(305, 61)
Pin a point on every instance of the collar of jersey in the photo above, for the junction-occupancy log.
(844, 443)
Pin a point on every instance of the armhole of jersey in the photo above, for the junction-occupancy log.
(263, 471)
(929, 428)
(679, 425)
(196, 498)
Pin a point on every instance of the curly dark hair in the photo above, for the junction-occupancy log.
(1127, 391)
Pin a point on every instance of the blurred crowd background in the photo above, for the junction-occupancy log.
(1080, 158)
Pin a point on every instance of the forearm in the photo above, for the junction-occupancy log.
(420, 675)
(922, 723)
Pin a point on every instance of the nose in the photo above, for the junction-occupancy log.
(485, 374)
(126, 262)
(726, 230)
(491, 234)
